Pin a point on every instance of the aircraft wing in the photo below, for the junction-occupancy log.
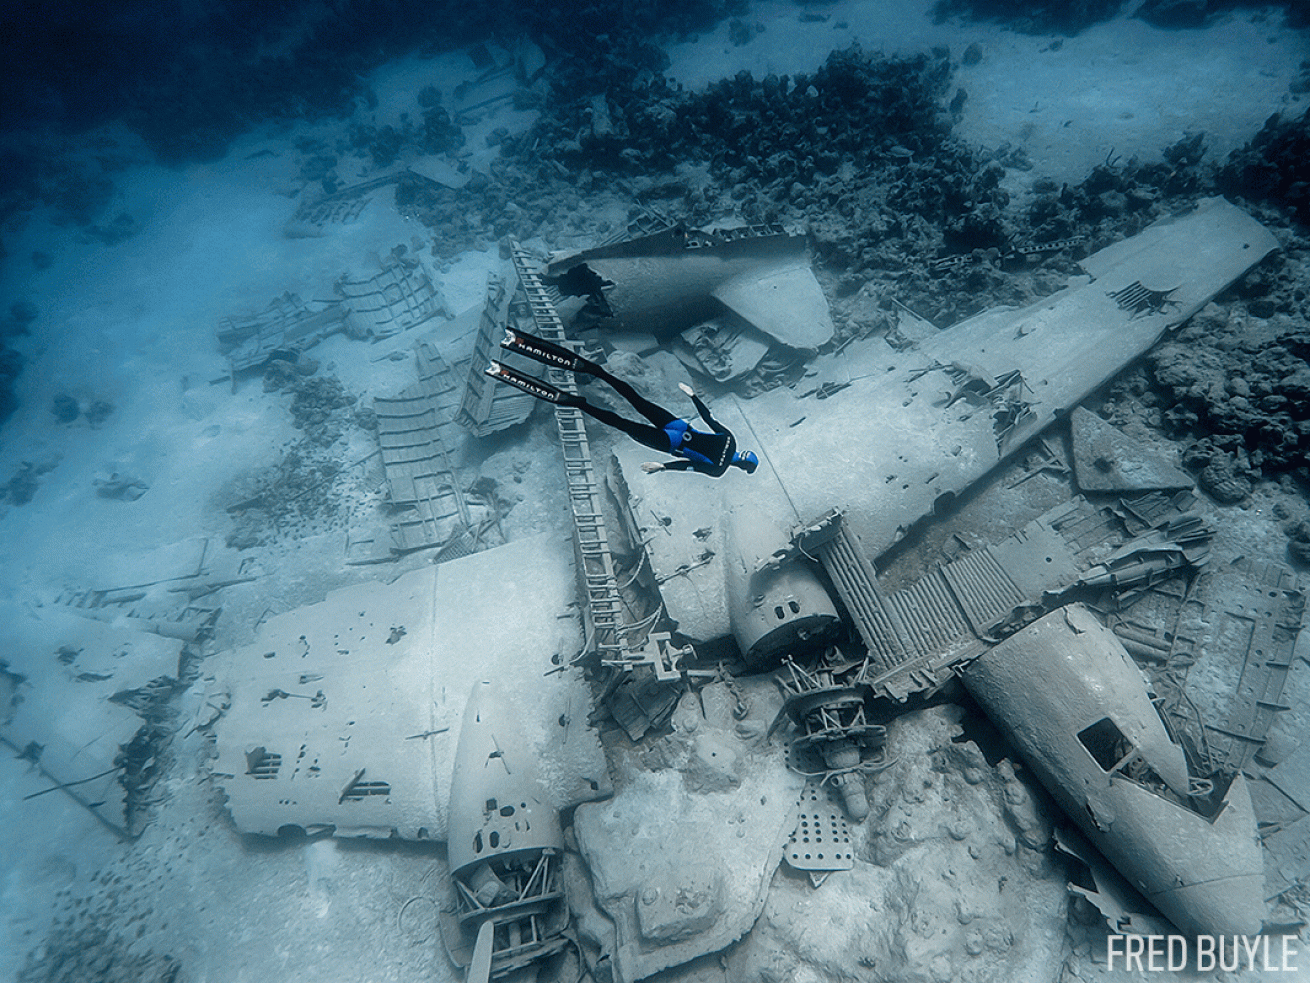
(912, 430)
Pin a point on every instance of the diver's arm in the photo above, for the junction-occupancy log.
(650, 467)
(702, 409)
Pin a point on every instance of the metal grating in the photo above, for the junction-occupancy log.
(357, 790)
(854, 577)
(417, 436)
(401, 296)
(983, 589)
(363, 790)
(415, 429)
(487, 406)
(263, 764)
(931, 616)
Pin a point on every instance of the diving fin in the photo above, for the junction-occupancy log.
(547, 352)
(531, 385)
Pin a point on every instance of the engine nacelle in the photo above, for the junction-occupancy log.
(776, 602)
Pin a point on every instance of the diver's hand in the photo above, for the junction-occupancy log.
(687, 389)
(650, 467)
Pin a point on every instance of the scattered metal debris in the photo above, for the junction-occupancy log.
(344, 206)
(399, 297)
(1042, 460)
(721, 348)
(1051, 246)
(1251, 612)
(957, 261)
(288, 325)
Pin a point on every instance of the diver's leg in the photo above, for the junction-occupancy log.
(642, 433)
(656, 414)
(560, 357)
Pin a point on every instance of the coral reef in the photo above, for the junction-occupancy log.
(1274, 167)
(1032, 16)
(1203, 13)
(21, 314)
(1071, 17)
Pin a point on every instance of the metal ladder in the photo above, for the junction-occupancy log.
(605, 609)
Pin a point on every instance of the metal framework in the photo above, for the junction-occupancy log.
(489, 407)
(529, 924)
(416, 439)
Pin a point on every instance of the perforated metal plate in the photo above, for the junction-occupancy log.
(821, 840)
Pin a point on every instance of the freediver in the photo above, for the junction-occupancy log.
(709, 453)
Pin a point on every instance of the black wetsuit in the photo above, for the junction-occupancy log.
(708, 453)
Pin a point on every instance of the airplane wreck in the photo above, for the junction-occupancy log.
(728, 657)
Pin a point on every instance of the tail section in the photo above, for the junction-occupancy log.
(547, 352)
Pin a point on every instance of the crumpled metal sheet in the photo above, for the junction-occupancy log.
(287, 324)
(398, 297)
(672, 280)
(1125, 910)
(63, 675)
(1105, 459)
